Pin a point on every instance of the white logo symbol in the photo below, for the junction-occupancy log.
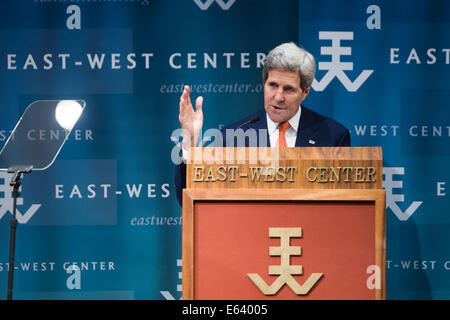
(336, 67)
(392, 199)
(204, 5)
(166, 294)
(285, 271)
(6, 203)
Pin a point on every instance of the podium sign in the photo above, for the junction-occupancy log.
(286, 243)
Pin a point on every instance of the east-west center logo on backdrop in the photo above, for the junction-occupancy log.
(6, 201)
(336, 68)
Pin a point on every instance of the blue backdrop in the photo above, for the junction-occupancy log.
(108, 203)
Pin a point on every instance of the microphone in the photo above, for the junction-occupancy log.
(252, 120)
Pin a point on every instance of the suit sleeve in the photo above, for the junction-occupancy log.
(180, 178)
(180, 181)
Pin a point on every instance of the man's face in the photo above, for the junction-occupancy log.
(283, 95)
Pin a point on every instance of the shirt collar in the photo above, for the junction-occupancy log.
(293, 122)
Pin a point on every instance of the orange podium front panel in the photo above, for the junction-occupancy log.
(275, 243)
(342, 240)
(232, 241)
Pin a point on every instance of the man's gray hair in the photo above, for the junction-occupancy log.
(290, 57)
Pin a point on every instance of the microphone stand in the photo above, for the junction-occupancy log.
(17, 172)
(252, 120)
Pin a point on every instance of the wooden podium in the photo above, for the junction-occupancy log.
(290, 223)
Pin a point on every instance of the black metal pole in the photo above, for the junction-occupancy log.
(12, 248)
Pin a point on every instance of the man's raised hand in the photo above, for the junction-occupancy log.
(191, 121)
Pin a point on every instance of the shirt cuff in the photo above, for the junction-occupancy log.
(184, 154)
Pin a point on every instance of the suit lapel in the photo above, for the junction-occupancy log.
(307, 127)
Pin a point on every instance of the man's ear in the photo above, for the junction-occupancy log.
(306, 92)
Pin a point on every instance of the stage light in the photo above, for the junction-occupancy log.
(67, 113)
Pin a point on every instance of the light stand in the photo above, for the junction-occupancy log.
(15, 183)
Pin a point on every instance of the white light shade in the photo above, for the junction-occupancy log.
(67, 113)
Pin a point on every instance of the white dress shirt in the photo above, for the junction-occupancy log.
(291, 132)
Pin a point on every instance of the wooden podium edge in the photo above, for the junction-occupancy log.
(190, 196)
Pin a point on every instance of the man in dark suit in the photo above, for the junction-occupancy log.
(288, 74)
